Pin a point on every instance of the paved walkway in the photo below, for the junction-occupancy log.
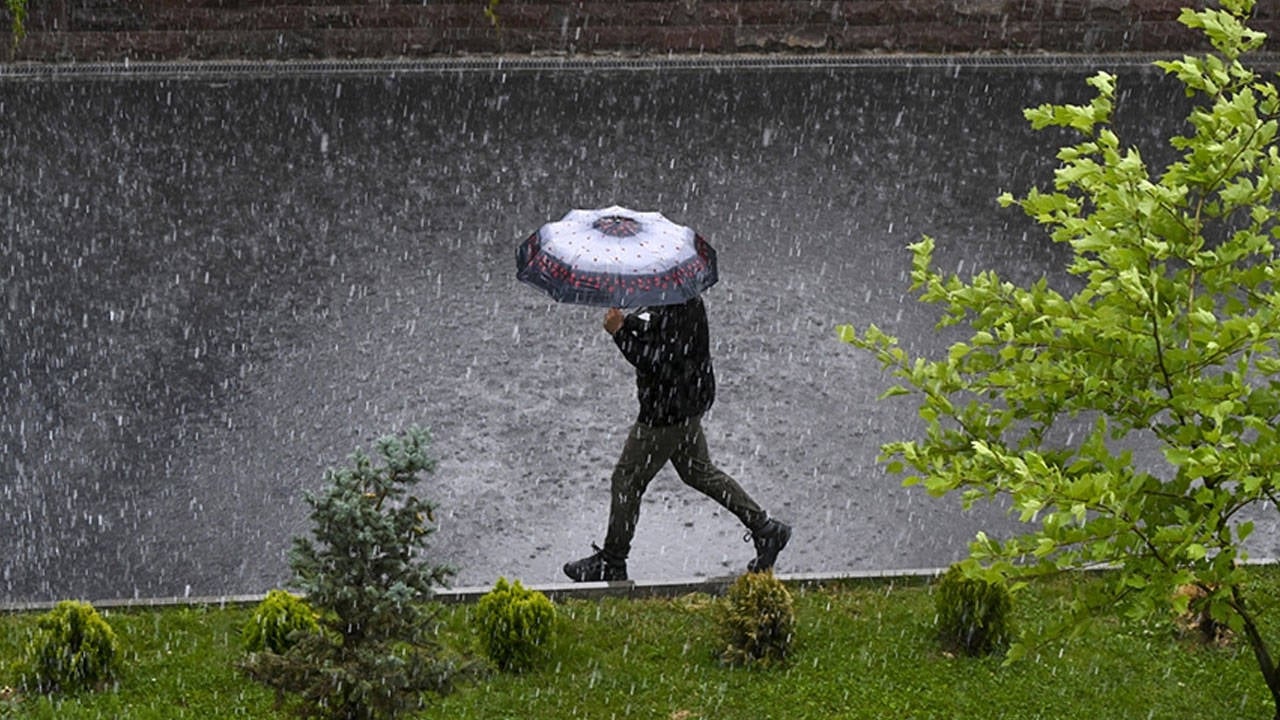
(219, 284)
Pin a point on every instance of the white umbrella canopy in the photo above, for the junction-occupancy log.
(617, 257)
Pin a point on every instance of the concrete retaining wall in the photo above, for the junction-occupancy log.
(117, 30)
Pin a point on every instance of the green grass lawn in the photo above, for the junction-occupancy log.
(862, 650)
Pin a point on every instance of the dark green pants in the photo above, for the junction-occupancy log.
(647, 449)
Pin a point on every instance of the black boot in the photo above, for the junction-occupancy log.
(769, 541)
(596, 567)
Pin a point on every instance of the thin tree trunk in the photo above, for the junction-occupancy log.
(1270, 673)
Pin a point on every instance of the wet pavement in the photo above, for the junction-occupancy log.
(216, 286)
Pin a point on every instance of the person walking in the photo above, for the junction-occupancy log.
(670, 347)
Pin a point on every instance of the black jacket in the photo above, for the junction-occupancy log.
(670, 347)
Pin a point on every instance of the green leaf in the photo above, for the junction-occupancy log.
(894, 391)
(1137, 582)
(1244, 530)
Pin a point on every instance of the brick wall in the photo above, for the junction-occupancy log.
(96, 30)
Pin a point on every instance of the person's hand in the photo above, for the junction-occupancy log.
(613, 318)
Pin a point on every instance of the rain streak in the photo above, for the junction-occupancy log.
(214, 287)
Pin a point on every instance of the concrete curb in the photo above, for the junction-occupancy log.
(556, 591)
(681, 586)
(632, 589)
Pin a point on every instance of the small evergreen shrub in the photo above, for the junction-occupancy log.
(973, 613)
(278, 622)
(757, 621)
(72, 648)
(365, 569)
(514, 622)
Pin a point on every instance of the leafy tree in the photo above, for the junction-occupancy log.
(1170, 340)
(375, 654)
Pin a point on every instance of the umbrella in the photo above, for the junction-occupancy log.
(615, 257)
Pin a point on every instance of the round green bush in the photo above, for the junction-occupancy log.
(72, 648)
(514, 622)
(973, 613)
(757, 621)
(277, 623)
